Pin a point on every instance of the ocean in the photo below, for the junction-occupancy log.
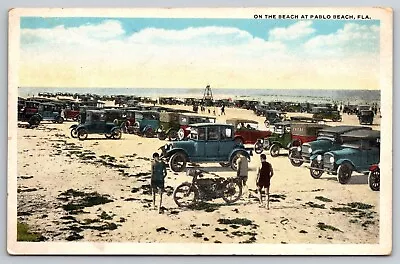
(268, 95)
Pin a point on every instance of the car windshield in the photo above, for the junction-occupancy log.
(326, 135)
(353, 144)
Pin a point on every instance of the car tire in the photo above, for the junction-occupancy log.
(316, 174)
(149, 133)
(172, 135)
(181, 134)
(74, 133)
(225, 164)
(274, 150)
(258, 147)
(34, 121)
(161, 135)
(374, 181)
(344, 173)
(188, 190)
(116, 133)
(82, 134)
(294, 155)
(59, 120)
(176, 158)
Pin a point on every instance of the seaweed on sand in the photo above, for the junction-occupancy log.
(235, 221)
(79, 200)
(325, 227)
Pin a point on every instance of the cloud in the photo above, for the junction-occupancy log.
(352, 38)
(296, 31)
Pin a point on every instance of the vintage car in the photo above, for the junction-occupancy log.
(328, 138)
(48, 112)
(374, 176)
(326, 113)
(302, 133)
(360, 150)
(146, 123)
(95, 123)
(206, 143)
(366, 117)
(280, 138)
(273, 116)
(186, 120)
(72, 110)
(27, 112)
(169, 126)
(246, 131)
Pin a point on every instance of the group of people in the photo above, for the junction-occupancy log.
(263, 180)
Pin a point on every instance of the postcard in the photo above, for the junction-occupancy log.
(200, 131)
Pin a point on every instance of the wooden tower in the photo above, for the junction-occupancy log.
(207, 96)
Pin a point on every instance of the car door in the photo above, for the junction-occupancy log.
(199, 142)
(226, 143)
(212, 143)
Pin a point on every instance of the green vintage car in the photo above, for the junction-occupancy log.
(95, 123)
(326, 113)
(280, 138)
(169, 126)
(360, 151)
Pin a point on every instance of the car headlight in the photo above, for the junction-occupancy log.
(298, 148)
(319, 157)
(159, 130)
(310, 150)
(331, 159)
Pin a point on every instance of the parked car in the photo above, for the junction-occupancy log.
(72, 110)
(374, 176)
(366, 117)
(95, 123)
(246, 130)
(280, 138)
(327, 139)
(207, 143)
(360, 150)
(273, 116)
(326, 113)
(146, 123)
(28, 112)
(169, 126)
(186, 120)
(302, 133)
(49, 112)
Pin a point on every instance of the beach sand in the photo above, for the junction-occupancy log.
(98, 190)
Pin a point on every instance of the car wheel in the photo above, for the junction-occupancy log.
(34, 121)
(258, 147)
(82, 134)
(116, 134)
(316, 174)
(374, 180)
(344, 173)
(274, 150)
(177, 162)
(161, 135)
(59, 119)
(295, 158)
(185, 195)
(149, 133)
(74, 133)
(181, 134)
(233, 161)
(172, 135)
(232, 191)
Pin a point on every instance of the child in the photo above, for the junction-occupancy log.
(264, 175)
(158, 174)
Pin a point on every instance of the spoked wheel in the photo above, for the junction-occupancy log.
(34, 121)
(234, 161)
(59, 120)
(74, 133)
(316, 174)
(161, 135)
(177, 162)
(232, 191)
(185, 195)
(149, 133)
(344, 173)
(172, 135)
(225, 164)
(274, 150)
(374, 180)
(295, 158)
(108, 135)
(181, 134)
(116, 134)
(82, 134)
(258, 147)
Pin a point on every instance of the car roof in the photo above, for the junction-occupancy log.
(344, 129)
(240, 120)
(210, 124)
(363, 134)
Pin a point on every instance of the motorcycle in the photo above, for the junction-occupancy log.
(374, 177)
(189, 193)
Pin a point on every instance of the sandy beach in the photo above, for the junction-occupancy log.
(98, 190)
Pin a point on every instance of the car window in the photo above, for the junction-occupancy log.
(226, 133)
(212, 133)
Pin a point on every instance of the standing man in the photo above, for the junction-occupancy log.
(264, 175)
(223, 110)
(243, 173)
(158, 174)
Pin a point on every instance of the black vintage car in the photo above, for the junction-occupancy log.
(366, 117)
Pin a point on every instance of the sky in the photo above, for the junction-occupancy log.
(191, 53)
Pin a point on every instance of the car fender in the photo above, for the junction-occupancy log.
(276, 143)
(341, 161)
(73, 126)
(114, 128)
(235, 151)
(175, 150)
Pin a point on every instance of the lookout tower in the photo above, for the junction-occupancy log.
(208, 97)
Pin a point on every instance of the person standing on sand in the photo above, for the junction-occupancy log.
(264, 175)
(223, 110)
(158, 174)
(243, 173)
